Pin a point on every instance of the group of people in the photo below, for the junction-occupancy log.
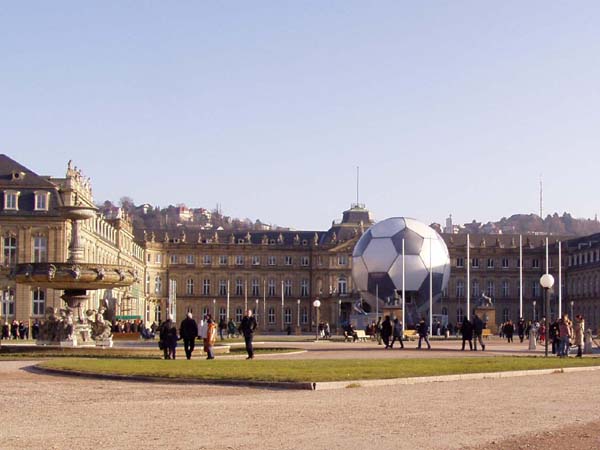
(19, 330)
(206, 330)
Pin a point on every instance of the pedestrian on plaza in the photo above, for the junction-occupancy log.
(231, 328)
(566, 332)
(386, 331)
(5, 331)
(478, 326)
(211, 337)
(509, 330)
(247, 327)
(397, 333)
(168, 337)
(14, 329)
(222, 328)
(555, 336)
(521, 329)
(423, 331)
(378, 331)
(578, 332)
(35, 329)
(189, 333)
(466, 330)
(327, 330)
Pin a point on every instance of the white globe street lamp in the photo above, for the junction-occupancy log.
(547, 281)
(317, 304)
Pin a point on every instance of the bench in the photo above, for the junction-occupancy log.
(348, 337)
(486, 333)
(410, 335)
(361, 335)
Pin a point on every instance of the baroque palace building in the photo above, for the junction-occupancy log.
(278, 274)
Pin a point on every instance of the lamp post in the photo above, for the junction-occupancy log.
(533, 314)
(256, 312)
(298, 316)
(214, 308)
(339, 321)
(547, 281)
(572, 304)
(317, 304)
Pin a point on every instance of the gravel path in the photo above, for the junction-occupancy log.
(54, 412)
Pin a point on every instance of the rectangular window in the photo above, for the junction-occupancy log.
(190, 259)
(239, 260)
(535, 288)
(460, 262)
(505, 263)
(10, 250)
(304, 291)
(8, 302)
(490, 289)
(207, 260)
(304, 261)
(39, 302)
(255, 287)
(475, 289)
(475, 263)
(304, 315)
(518, 263)
(223, 260)
(288, 260)
(535, 263)
(256, 260)
(271, 315)
(41, 201)
(158, 258)
(173, 259)
(460, 289)
(222, 287)
(11, 200)
(505, 289)
(287, 316)
(39, 249)
(271, 288)
(189, 290)
(342, 260)
(157, 284)
(272, 261)
(239, 287)
(206, 286)
(288, 288)
(490, 263)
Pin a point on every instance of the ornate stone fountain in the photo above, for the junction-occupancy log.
(75, 277)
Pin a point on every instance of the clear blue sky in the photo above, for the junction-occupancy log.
(267, 107)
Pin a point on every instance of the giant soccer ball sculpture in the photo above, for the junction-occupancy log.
(377, 264)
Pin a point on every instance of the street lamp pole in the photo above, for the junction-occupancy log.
(339, 315)
(257, 312)
(572, 304)
(317, 304)
(298, 316)
(547, 281)
(533, 314)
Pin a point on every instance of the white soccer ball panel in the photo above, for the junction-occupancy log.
(360, 274)
(436, 252)
(379, 255)
(387, 227)
(415, 272)
(420, 228)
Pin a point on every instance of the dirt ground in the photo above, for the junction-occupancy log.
(52, 412)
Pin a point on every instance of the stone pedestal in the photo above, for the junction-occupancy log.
(488, 315)
(105, 343)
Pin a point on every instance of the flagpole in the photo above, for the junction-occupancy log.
(520, 276)
(468, 276)
(282, 303)
(264, 304)
(430, 292)
(403, 291)
(559, 280)
(227, 318)
(377, 300)
(245, 295)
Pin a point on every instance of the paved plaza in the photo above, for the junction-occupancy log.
(55, 412)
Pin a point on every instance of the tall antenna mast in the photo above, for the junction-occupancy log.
(541, 197)
(357, 185)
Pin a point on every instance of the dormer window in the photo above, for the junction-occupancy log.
(11, 200)
(41, 201)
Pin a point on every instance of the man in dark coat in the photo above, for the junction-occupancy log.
(397, 333)
(478, 332)
(386, 331)
(247, 327)
(466, 330)
(188, 332)
(423, 331)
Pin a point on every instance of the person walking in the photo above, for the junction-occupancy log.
(231, 328)
(386, 331)
(521, 329)
(565, 332)
(378, 331)
(555, 336)
(247, 327)
(478, 326)
(211, 337)
(168, 337)
(578, 332)
(466, 330)
(509, 330)
(397, 333)
(423, 331)
(188, 332)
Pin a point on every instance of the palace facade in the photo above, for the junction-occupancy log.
(278, 274)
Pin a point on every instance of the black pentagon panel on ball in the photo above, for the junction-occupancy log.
(381, 281)
(438, 279)
(412, 242)
(362, 244)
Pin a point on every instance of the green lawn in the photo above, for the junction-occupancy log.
(312, 370)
